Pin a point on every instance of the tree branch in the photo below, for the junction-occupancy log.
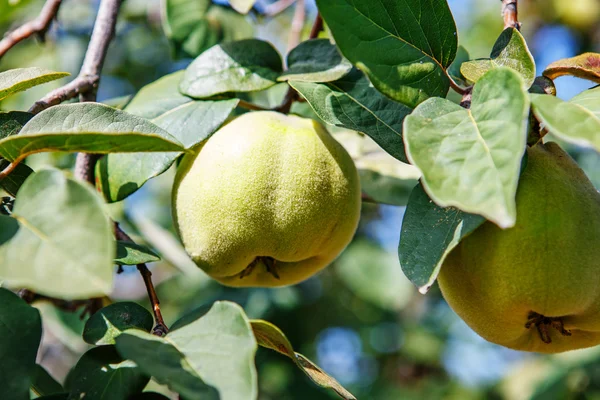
(297, 24)
(89, 75)
(161, 328)
(38, 26)
(317, 27)
(510, 14)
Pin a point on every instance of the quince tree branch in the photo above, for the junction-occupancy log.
(38, 26)
(510, 14)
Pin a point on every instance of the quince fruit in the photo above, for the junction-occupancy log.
(268, 200)
(535, 286)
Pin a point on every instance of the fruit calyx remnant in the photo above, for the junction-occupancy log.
(268, 262)
(542, 323)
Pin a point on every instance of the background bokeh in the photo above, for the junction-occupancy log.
(360, 320)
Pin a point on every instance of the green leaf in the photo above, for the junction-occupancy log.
(315, 60)
(269, 336)
(429, 233)
(130, 253)
(19, 340)
(242, 66)
(87, 127)
(149, 396)
(108, 323)
(13, 182)
(102, 374)
(61, 243)
(242, 6)
(404, 47)
(217, 348)
(385, 189)
(510, 50)
(11, 122)
(44, 384)
(470, 159)
(351, 102)
(186, 26)
(382, 284)
(576, 121)
(158, 97)
(19, 79)
(462, 56)
(585, 66)
(191, 123)
(159, 358)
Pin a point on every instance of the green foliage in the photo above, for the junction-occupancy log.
(19, 340)
(41, 242)
(130, 253)
(387, 40)
(477, 171)
(108, 323)
(17, 80)
(315, 60)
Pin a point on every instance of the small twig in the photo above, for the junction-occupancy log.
(89, 75)
(277, 8)
(297, 24)
(317, 27)
(250, 106)
(510, 14)
(457, 88)
(161, 328)
(90, 306)
(38, 26)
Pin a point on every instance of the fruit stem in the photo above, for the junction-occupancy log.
(542, 323)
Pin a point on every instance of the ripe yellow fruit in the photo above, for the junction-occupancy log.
(536, 286)
(269, 200)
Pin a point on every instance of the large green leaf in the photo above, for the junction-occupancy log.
(269, 336)
(102, 374)
(510, 50)
(19, 79)
(429, 233)
(59, 241)
(315, 60)
(87, 127)
(471, 159)
(217, 348)
(189, 121)
(404, 47)
(242, 66)
(351, 102)
(20, 335)
(585, 66)
(576, 121)
(108, 323)
(159, 358)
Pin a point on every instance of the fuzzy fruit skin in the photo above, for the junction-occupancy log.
(267, 185)
(549, 262)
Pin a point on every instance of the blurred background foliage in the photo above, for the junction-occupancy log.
(360, 320)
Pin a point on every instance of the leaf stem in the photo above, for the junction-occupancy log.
(455, 86)
(510, 14)
(161, 328)
(38, 26)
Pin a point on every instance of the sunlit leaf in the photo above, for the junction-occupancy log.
(471, 159)
(242, 6)
(59, 241)
(586, 66)
(242, 66)
(510, 50)
(19, 340)
(404, 47)
(576, 121)
(19, 79)
(315, 60)
(87, 127)
(269, 336)
(429, 233)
